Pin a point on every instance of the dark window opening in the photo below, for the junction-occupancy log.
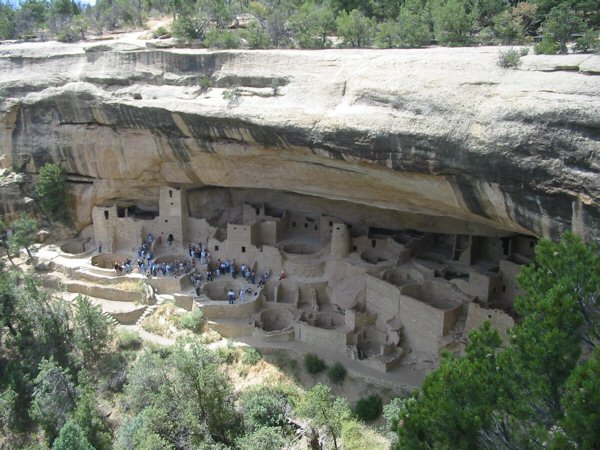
(503, 288)
(120, 212)
(337, 228)
(216, 248)
(172, 203)
(166, 220)
(505, 245)
(243, 249)
(330, 223)
(354, 248)
(106, 215)
(373, 243)
(170, 194)
(316, 228)
(530, 244)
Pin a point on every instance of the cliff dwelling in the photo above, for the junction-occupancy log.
(398, 207)
(322, 273)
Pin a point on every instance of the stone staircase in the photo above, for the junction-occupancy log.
(160, 299)
(114, 322)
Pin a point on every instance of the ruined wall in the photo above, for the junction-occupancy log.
(499, 320)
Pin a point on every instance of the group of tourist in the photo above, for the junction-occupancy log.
(146, 264)
(231, 295)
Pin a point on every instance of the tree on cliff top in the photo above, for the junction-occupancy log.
(50, 188)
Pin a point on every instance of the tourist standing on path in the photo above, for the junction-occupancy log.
(242, 295)
(100, 247)
(231, 296)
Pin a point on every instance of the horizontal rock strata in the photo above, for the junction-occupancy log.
(429, 139)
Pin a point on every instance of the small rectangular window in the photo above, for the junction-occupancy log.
(106, 215)
(373, 243)
(216, 248)
(170, 193)
(243, 249)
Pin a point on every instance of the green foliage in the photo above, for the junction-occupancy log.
(71, 437)
(313, 364)
(7, 19)
(204, 82)
(414, 24)
(507, 27)
(217, 38)
(87, 417)
(231, 96)
(359, 436)
(53, 397)
(312, 24)
(188, 27)
(581, 403)
(370, 408)
(160, 31)
(265, 406)
(456, 400)
(387, 34)
(265, 438)
(193, 321)
(509, 59)
(183, 400)
(560, 24)
(546, 47)
(92, 331)
(50, 188)
(24, 229)
(451, 22)
(337, 373)
(227, 354)
(536, 390)
(324, 411)
(129, 340)
(589, 42)
(256, 36)
(485, 10)
(356, 29)
(250, 356)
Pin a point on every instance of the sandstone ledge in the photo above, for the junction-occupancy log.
(435, 132)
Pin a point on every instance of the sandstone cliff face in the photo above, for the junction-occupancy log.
(435, 137)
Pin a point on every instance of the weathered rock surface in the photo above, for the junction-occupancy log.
(439, 133)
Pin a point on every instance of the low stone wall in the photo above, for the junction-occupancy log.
(129, 317)
(232, 329)
(336, 339)
(223, 310)
(274, 336)
(99, 291)
(309, 269)
(184, 301)
(166, 285)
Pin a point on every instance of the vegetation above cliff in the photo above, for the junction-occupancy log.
(311, 24)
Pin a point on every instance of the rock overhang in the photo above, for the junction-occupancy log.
(439, 133)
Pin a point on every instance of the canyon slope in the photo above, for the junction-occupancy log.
(434, 139)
